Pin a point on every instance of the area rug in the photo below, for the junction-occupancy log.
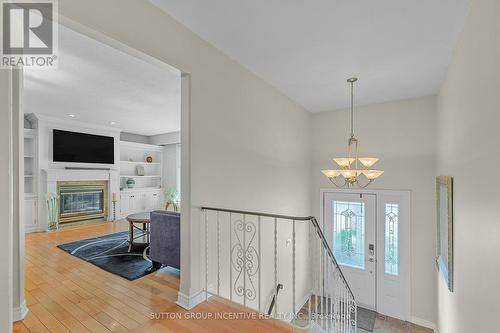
(110, 253)
(366, 319)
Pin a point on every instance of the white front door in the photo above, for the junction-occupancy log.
(349, 225)
(369, 233)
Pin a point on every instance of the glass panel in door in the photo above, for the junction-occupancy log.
(349, 223)
(349, 233)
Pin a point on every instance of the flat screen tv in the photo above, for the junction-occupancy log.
(82, 148)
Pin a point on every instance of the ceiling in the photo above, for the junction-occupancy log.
(99, 84)
(307, 49)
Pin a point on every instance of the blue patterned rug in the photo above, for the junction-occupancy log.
(110, 253)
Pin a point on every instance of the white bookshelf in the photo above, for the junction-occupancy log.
(30, 180)
(30, 162)
(133, 155)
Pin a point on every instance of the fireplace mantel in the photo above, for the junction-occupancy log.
(52, 176)
(55, 175)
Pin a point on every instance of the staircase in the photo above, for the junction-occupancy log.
(280, 266)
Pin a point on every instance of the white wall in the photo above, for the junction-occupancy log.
(131, 137)
(469, 141)
(166, 138)
(159, 139)
(171, 167)
(402, 135)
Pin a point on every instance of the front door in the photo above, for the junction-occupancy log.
(349, 225)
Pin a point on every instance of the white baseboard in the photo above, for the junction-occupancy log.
(424, 323)
(20, 312)
(189, 302)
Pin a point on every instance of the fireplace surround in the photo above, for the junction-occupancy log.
(82, 200)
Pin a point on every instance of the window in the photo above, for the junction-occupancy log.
(391, 239)
(349, 233)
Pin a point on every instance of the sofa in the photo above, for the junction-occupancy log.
(165, 239)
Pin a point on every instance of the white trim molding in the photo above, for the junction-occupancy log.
(424, 323)
(189, 302)
(20, 312)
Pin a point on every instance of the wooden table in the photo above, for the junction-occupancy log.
(139, 218)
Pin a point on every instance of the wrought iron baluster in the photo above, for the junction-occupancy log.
(331, 304)
(244, 261)
(206, 256)
(276, 267)
(230, 256)
(218, 254)
(260, 264)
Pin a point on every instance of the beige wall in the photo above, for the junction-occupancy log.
(469, 139)
(402, 135)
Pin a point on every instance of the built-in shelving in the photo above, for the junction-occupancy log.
(136, 176)
(141, 163)
(134, 156)
(127, 190)
(30, 177)
(29, 162)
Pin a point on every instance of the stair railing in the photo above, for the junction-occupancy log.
(247, 253)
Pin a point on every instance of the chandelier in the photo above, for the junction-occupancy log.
(353, 168)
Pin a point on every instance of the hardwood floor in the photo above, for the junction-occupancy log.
(67, 294)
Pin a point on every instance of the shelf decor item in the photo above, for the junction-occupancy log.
(52, 211)
(172, 200)
(140, 170)
(149, 159)
(130, 182)
(444, 259)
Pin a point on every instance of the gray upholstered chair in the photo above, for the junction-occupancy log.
(165, 239)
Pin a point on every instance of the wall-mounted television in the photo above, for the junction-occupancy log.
(82, 148)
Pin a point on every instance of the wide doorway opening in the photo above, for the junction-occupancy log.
(100, 166)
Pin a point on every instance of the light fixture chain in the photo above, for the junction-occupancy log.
(352, 109)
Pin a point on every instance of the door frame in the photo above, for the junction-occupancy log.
(405, 197)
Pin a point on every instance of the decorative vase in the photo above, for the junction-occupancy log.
(173, 205)
(130, 182)
(52, 211)
(149, 159)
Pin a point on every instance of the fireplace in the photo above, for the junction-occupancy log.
(82, 200)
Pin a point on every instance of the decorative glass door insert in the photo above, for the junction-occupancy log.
(349, 233)
(349, 219)
(391, 239)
